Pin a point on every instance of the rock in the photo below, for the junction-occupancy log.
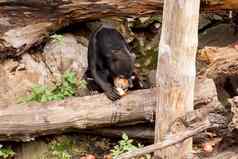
(18, 76)
(220, 35)
(65, 54)
(203, 21)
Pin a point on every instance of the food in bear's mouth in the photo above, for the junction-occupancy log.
(121, 85)
(121, 91)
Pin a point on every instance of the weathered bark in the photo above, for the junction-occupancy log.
(26, 23)
(221, 4)
(234, 109)
(190, 119)
(25, 121)
(223, 62)
(176, 71)
(169, 141)
(205, 93)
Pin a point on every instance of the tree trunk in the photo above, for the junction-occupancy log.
(176, 71)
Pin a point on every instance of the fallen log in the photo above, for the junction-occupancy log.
(223, 68)
(26, 121)
(223, 62)
(144, 131)
(24, 24)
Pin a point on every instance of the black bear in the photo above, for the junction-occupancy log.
(109, 58)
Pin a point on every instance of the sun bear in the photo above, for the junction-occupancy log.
(110, 62)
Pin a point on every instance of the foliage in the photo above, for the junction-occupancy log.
(59, 149)
(66, 88)
(6, 152)
(123, 146)
(57, 38)
(83, 84)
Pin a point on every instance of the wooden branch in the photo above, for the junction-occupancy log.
(26, 23)
(168, 141)
(205, 121)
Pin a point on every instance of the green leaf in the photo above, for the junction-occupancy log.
(66, 88)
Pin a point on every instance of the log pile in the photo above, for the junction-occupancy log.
(34, 21)
(36, 119)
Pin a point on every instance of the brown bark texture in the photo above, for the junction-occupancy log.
(223, 62)
(205, 101)
(26, 121)
(24, 24)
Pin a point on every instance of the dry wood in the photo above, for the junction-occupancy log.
(205, 121)
(205, 101)
(143, 131)
(26, 23)
(223, 62)
(176, 71)
(26, 121)
(168, 141)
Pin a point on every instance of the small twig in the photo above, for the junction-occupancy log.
(168, 141)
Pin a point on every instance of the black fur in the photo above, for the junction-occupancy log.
(108, 57)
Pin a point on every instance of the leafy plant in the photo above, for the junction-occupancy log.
(82, 84)
(66, 88)
(6, 152)
(59, 149)
(57, 38)
(123, 146)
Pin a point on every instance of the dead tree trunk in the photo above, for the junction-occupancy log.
(176, 71)
(26, 121)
